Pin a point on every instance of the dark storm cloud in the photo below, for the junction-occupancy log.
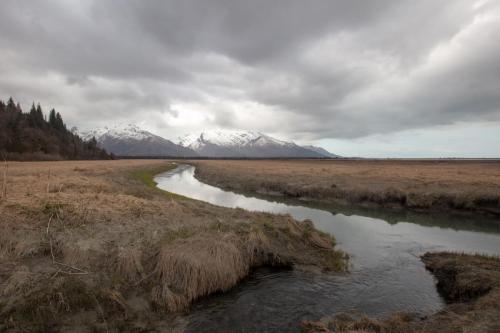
(246, 30)
(320, 69)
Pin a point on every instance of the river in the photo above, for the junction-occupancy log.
(385, 275)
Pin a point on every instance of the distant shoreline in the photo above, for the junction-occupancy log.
(494, 159)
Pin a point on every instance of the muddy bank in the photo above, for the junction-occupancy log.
(93, 246)
(471, 285)
(461, 186)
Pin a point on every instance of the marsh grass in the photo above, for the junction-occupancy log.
(219, 256)
(4, 182)
(465, 186)
(110, 250)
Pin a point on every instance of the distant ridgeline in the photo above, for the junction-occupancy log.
(30, 136)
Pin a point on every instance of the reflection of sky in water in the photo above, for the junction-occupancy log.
(352, 232)
(185, 184)
(386, 275)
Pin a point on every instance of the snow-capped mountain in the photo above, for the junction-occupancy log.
(130, 140)
(321, 151)
(122, 131)
(225, 143)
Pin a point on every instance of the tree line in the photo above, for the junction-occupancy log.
(33, 136)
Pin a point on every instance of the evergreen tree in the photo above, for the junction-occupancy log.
(32, 115)
(59, 123)
(11, 106)
(52, 118)
(31, 135)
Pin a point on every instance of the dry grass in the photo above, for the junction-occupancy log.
(94, 248)
(420, 185)
(471, 285)
(355, 323)
(4, 182)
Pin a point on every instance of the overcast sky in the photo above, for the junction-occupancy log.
(371, 78)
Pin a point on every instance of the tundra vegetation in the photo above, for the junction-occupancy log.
(94, 246)
(438, 185)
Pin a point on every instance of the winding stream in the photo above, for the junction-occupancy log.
(386, 274)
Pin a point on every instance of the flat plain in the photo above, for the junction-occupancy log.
(95, 246)
(425, 185)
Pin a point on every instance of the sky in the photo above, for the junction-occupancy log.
(380, 78)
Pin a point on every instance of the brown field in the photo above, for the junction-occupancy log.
(471, 285)
(93, 246)
(472, 186)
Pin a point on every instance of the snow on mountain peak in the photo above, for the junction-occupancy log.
(227, 138)
(121, 131)
(129, 139)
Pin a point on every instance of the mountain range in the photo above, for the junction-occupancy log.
(130, 140)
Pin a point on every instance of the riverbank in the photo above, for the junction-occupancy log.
(437, 186)
(471, 285)
(94, 246)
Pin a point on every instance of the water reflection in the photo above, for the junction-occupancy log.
(386, 275)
